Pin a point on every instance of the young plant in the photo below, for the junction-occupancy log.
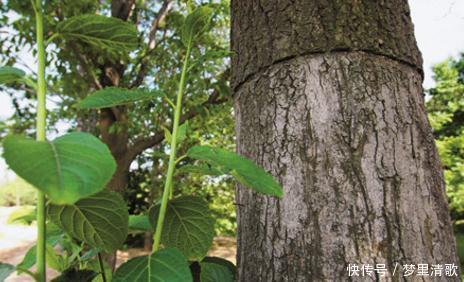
(72, 171)
(65, 171)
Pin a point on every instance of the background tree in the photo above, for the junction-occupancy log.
(77, 68)
(446, 113)
(328, 97)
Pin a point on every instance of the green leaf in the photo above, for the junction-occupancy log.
(167, 135)
(100, 220)
(71, 167)
(90, 254)
(244, 170)
(203, 169)
(195, 24)
(182, 132)
(53, 235)
(212, 272)
(107, 33)
(54, 260)
(11, 74)
(139, 223)
(5, 270)
(114, 96)
(188, 226)
(95, 266)
(210, 55)
(29, 259)
(223, 88)
(164, 265)
(23, 215)
(73, 275)
(217, 260)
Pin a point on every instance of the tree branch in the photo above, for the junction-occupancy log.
(85, 65)
(156, 21)
(142, 144)
(122, 8)
(151, 42)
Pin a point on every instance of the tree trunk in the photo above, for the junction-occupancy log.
(328, 98)
(117, 140)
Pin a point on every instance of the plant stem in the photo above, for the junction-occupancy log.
(172, 156)
(40, 126)
(102, 267)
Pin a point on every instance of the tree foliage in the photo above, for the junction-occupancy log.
(446, 114)
(82, 60)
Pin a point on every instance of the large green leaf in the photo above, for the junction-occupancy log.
(5, 271)
(188, 226)
(10, 74)
(195, 24)
(70, 167)
(217, 260)
(100, 220)
(244, 170)
(139, 223)
(108, 33)
(114, 96)
(203, 169)
(213, 272)
(164, 265)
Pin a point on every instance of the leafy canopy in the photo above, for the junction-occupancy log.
(73, 169)
(446, 114)
(78, 66)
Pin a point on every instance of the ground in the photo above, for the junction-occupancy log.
(16, 239)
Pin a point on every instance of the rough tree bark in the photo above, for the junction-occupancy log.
(328, 98)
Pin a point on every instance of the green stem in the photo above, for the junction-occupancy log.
(172, 156)
(51, 38)
(170, 192)
(102, 267)
(41, 113)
